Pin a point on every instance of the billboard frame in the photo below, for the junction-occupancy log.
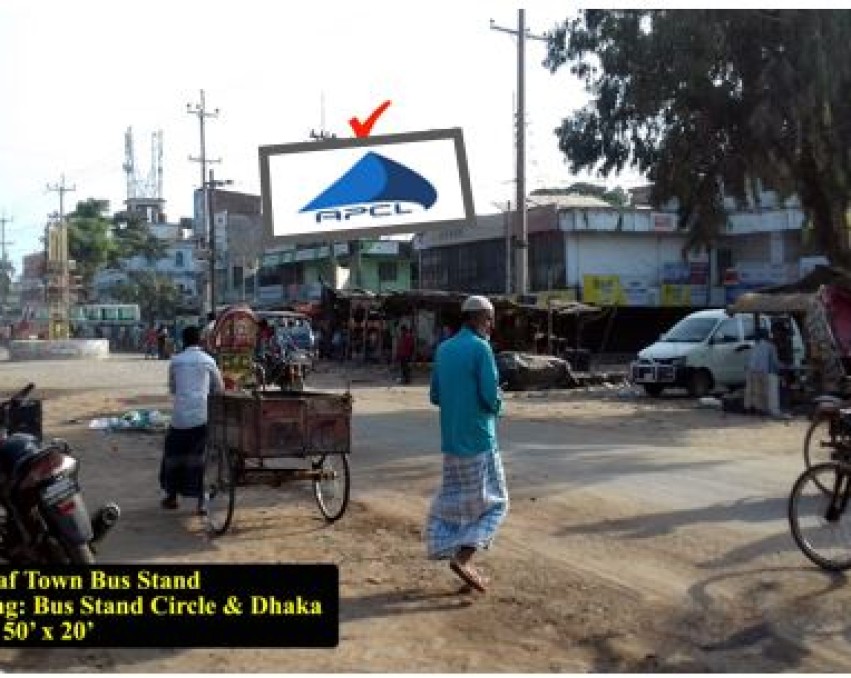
(453, 134)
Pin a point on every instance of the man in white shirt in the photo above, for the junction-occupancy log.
(761, 386)
(192, 376)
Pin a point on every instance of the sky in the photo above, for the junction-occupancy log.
(76, 75)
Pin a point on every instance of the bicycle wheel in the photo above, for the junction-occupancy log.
(817, 518)
(332, 488)
(219, 490)
(820, 443)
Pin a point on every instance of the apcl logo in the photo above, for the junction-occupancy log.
(375, 187)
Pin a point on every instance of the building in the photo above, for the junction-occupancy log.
(585, 249)
(239, 242)
(179, 264)
(296, 274)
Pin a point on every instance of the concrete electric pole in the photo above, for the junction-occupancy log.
(5, 268)
(209, 189)
(58, 287)
(200, 109)
(522, 241)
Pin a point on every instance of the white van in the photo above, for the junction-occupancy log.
(704, 350)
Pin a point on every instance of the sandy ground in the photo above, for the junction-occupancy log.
(644, 535)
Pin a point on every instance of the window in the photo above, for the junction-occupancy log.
(388, 271)
(178, 260)
(727, 332)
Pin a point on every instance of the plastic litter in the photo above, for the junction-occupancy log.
(132, 420)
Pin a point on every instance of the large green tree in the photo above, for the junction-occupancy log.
(90, 243)
(132, 236)
(708, 102)
(97, 240)
(157, 296)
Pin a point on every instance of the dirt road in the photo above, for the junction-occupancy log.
(643, 536)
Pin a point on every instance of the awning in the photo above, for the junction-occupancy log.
(759, 302)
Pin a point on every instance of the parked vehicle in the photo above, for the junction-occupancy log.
(704, 350)
(44, 518)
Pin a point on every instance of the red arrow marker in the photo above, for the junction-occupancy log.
(362, 129)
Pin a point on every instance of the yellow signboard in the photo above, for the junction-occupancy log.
(603, 290)
(675, 295)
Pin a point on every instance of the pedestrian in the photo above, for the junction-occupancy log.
(192, 375)
(405, 353)
(151, 342)
(472, 500)
(162, 335)
(761, 377)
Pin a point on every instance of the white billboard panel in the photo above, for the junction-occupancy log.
(349, 188)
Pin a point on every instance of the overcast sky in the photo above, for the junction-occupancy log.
(76, 74)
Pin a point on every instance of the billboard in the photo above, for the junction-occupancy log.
(339, 189)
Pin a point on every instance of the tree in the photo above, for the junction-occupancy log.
(133, 237)
(89, 240)
(157, 296)
(715, 102)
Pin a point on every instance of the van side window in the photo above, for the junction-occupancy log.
(748, 328)
(727, 332)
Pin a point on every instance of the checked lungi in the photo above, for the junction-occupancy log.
(469, 507)
(182, 468)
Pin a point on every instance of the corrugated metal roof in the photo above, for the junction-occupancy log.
(570, 201)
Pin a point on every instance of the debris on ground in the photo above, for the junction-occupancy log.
(132, 420)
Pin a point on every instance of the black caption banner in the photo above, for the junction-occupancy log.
(169, 606)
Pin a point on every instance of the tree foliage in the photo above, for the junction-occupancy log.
(89, 241)
(157, 296)
(132, 237)
(97, 241)
(710, 102)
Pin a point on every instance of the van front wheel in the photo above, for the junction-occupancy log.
(653, 390)
(699, 383)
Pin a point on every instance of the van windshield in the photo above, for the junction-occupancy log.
(691, 330)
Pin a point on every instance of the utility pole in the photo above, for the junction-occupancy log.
(522, 255)
(209, 189)
(58, 270)
(5, 268)
(322, 135)
(61, 189)
(200, 109)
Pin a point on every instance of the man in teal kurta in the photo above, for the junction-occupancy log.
(472, 501)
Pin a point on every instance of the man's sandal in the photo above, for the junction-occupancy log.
(469, 574)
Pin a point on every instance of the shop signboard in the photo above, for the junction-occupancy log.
(602, 290)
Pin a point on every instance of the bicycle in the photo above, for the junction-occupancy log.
(817, 506)
(828, 434)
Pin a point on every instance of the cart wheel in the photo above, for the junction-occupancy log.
(332, 488)
(219, 490)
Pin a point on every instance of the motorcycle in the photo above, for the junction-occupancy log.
(282, 364)
(44, 518)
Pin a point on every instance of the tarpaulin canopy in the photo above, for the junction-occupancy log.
(764, 302)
